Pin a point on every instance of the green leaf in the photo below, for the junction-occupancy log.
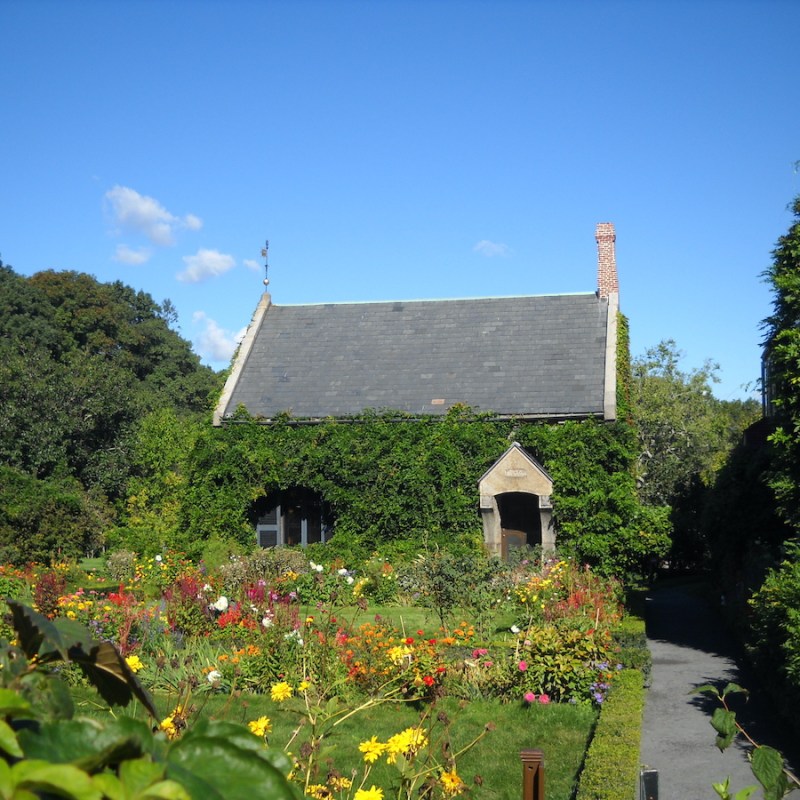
(6, 781)
(165, 790)
(733, 688)
(197, 787)
(13, 704)
(110, 674)
(140, 773)
(87, 743)
(767, 766)
(743, 794)
(706, 688)
(229, 769)
(241, 737)
(37, 635)
(8, 740)
(61, 779)
(110, 786)
(724, 723)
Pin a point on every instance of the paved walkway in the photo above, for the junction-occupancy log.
(690, 647)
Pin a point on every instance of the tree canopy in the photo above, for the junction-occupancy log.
(81, 365)
(782, 360)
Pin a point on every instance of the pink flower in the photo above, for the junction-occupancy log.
(488, 663)
(530, 697)
(523, 665)
(544, 699)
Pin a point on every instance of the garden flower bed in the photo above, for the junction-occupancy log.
(303, 653)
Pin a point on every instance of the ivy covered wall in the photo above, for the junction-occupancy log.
(400, 485)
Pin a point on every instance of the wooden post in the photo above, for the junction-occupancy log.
(532, 774)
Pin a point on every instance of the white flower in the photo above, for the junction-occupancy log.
(342, 572)
(158, 558)
(206, 587)
(315, 567)
(214, 676)
(514, 629)
(221, 604)
(349, 579)
(267, 622)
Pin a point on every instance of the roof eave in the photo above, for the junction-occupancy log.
(221, 412)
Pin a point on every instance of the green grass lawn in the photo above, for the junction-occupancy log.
(562, 732)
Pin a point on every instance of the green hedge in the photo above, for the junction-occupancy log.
(631, 639)
(611, 769)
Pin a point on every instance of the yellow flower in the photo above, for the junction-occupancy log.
(318, 791)
(407, 743)
(340, 784)
(134, 663)
(168, 726)
(70, 615)
(372, 750)
(261, 726)
(373, 793)
(281, 691)
(398, 653)
(451, 783)
(303, 686)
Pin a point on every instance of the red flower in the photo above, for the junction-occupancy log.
(428, 680)
(409, 640)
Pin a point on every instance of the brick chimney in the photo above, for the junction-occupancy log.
(607, 281)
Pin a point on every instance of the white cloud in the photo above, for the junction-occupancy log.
(205, 264)
(145, 215)
(252, 264)
(492, 249)
(213, 342)
(132, 255)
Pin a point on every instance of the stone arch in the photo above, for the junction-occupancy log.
(515, 503)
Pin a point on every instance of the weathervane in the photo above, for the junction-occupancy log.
(265, 256)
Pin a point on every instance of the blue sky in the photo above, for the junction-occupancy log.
(401, 149)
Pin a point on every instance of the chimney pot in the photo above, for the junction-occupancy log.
(607, 280)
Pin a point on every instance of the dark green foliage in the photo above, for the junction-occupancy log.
(43, 520)
(597, 511)
(410, 486)
(740, 522)
(774, 641)
(782, 355)
(81, 363)
(611, 769)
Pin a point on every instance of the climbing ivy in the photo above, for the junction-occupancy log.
(403, 485)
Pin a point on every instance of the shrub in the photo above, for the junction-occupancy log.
(120, 565)
(611, 769)
(49, 587)
(775, 628)
(631, 639)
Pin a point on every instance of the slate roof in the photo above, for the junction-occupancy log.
(533, 357)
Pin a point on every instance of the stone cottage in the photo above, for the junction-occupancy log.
(546, 358)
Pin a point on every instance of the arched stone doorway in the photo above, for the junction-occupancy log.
(520, 521)
(515, 503)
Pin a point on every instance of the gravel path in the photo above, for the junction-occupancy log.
(690, 647)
